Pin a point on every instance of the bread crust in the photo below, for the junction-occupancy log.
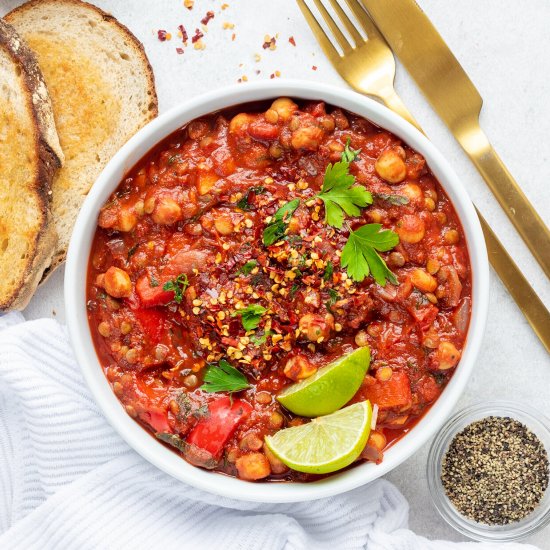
(135, 45)
(49, 157)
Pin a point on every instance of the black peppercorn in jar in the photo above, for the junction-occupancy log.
(488, 471)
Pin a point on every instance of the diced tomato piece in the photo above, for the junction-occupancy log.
(428, 389)
(214, 430)
(152, 323)
(395, 392)
(151, 296)
(185, 261)
(263, 130)
(158, 420)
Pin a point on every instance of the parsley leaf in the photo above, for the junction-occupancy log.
(276, 228)
(341, 195)
(359, 254)
(349, 154)
(247, 267)
(333, 296)
(178, 285)
(224, 377)
(398, 200)
(260, 339)
(250, 316)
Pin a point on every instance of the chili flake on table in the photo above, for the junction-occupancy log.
(258, 244)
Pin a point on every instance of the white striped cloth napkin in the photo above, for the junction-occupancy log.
(68, 481)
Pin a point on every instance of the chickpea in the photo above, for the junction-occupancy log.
(446, 356)
(131, 410)
(327, 123)
(384, 374)
(224, 225)
(251, 442)
(277, 467)
(377, 440)
(430, 340)
(271, 116)
(376, 215)
(117, 283)
(412, 192)
(149, 204)
(390, 165)
(253, 466)
(191, 381)
(308, 137)
(126, 220)
(139, 208)
(411, 228)
(118, 389)
(432, 266)
(396, 259)
(131, 355)
(284, 107)
(166, 212)
(361, 339)
(263, 398)
(423, 280)
(104, 329)
(451, 236)
(275, 150)
(299, 367)
(316, 327)
(125, 327)
(429, 204)
(239, 123)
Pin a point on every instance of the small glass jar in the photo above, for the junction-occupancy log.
(536, 520)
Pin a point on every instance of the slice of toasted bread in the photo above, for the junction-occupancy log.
(102, 89)
(30, 154)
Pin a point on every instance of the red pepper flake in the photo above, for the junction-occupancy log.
(184, 35)
(179, 50)
(314, 68)
(233, 36)
(162, 35)
(269, 42)
(209, 15)
(198, 35)
(292, 41)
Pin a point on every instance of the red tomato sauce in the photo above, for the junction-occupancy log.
(179, 252)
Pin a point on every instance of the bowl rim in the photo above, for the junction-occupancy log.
(75, 291)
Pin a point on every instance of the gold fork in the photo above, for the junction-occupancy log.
(368, 66)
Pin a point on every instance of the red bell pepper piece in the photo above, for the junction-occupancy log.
(151, 296)
(158, 420)
(395, 392)
(214, 430)
(152, 323)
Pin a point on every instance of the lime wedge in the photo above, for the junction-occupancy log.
(330, 388)
(325, 444)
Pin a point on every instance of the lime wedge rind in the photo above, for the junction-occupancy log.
(326, 444)
(330, 388)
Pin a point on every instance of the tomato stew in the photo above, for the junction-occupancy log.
(179, 267)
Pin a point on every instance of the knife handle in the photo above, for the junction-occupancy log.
(521, 212)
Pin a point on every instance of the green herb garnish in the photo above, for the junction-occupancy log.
(243, 203)
(132, 250)
(178, 285)
(247, 267)
(276, 228)
(250, 316)
(293, 290)
(154, 281)
(359, 254)
(340, 194)
(398, 200)
(329, 270)
(260, 338)
(224, 378)
(333, 296)
(349, 154)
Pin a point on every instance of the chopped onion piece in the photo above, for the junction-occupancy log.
(374, 417)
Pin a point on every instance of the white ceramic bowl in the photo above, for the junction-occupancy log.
(75, 293)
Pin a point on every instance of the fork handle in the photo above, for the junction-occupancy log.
(519, 210)
(525, 297)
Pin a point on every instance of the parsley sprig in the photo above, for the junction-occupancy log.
(224, 378)
(178, 285)
(276, 228)
(360, 256)
(250, 316)
(339, 192)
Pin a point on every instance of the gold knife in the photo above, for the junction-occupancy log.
(455, 99)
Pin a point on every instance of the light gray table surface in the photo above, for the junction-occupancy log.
(504, 46)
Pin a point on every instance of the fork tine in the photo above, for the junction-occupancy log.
(347, 22)
(341, 39)
(366, 22)
(331, 52)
